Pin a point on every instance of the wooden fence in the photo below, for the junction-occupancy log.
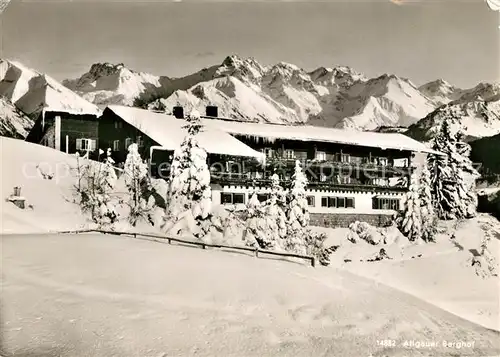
(203, 245)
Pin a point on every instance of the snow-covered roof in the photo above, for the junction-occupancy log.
(321, 134)
(169, 132)
(92, 111)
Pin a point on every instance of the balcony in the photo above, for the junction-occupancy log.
(361, 165)
(250, 180)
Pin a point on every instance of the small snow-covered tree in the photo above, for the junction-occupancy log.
(428, 215)
(411, 224)
(266, 222)
(138, 184)
(95, 184)
(256, 234)
(275, 210)
(189, 184)
(298, 212)
(453, 176)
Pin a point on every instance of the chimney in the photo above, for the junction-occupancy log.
(178, 112)
(212, 111)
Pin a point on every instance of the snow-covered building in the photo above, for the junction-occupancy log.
(67, 131)
(352, 175)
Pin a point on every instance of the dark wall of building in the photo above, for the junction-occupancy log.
(112, 127)
(75, 126)
(487, 152)
(78, 129)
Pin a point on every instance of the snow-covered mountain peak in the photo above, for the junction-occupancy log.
(244, 69)
(483, 92)
(341, 76)
(107, 83)
(440, 91)
(31, 91)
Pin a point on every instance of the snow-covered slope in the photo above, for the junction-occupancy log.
(440, 91)
(13, 122)
(31, 91)
(51, 199)
(477, 109)
(281, 93)
(384, 101)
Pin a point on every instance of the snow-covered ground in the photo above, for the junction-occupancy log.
(101, 295)
(439, 273)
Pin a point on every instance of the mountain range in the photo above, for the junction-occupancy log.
(244, 89)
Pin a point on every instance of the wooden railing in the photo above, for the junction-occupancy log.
(237, 179)
(203, 245)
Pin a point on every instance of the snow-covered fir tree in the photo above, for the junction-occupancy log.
(256, 232)
(275, 206)
(266, 222)
(429, 219)
(411, 223)
(189, 183)
(453, 175)
(96, 182)
(298, 212)
(137, 181)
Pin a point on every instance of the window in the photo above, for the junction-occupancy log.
(116, 145)
(345, 179)
(262, 197)
(118, 124)
(128, 142)
(386, 203)
(320, 155)
(383, 161)
(229, 198)
(310, 201)
(140, 141)
(328, 201)
(345, 158)
(337, 202)
(269, 152)
(289, 154)
(85, 144)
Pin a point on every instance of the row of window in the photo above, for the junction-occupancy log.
(332, 202)
(290, 154)
(322, 156)
(337, 202)
(128, 142)
(86, 144)
(326, 201)
(386, 203)
(90, 144)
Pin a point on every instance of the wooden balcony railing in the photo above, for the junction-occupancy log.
(312, 163)
(237, 179)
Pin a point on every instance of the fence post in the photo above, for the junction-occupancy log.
(313, 262)
(204, 246)
(256, 252)
(169, 241)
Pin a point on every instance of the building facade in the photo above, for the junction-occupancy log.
(69, 132)
(352, 175)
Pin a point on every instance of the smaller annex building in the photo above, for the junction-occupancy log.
(68, 131)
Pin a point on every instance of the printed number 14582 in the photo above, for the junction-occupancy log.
(386, 343)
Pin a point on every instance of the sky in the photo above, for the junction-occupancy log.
(422, 40)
